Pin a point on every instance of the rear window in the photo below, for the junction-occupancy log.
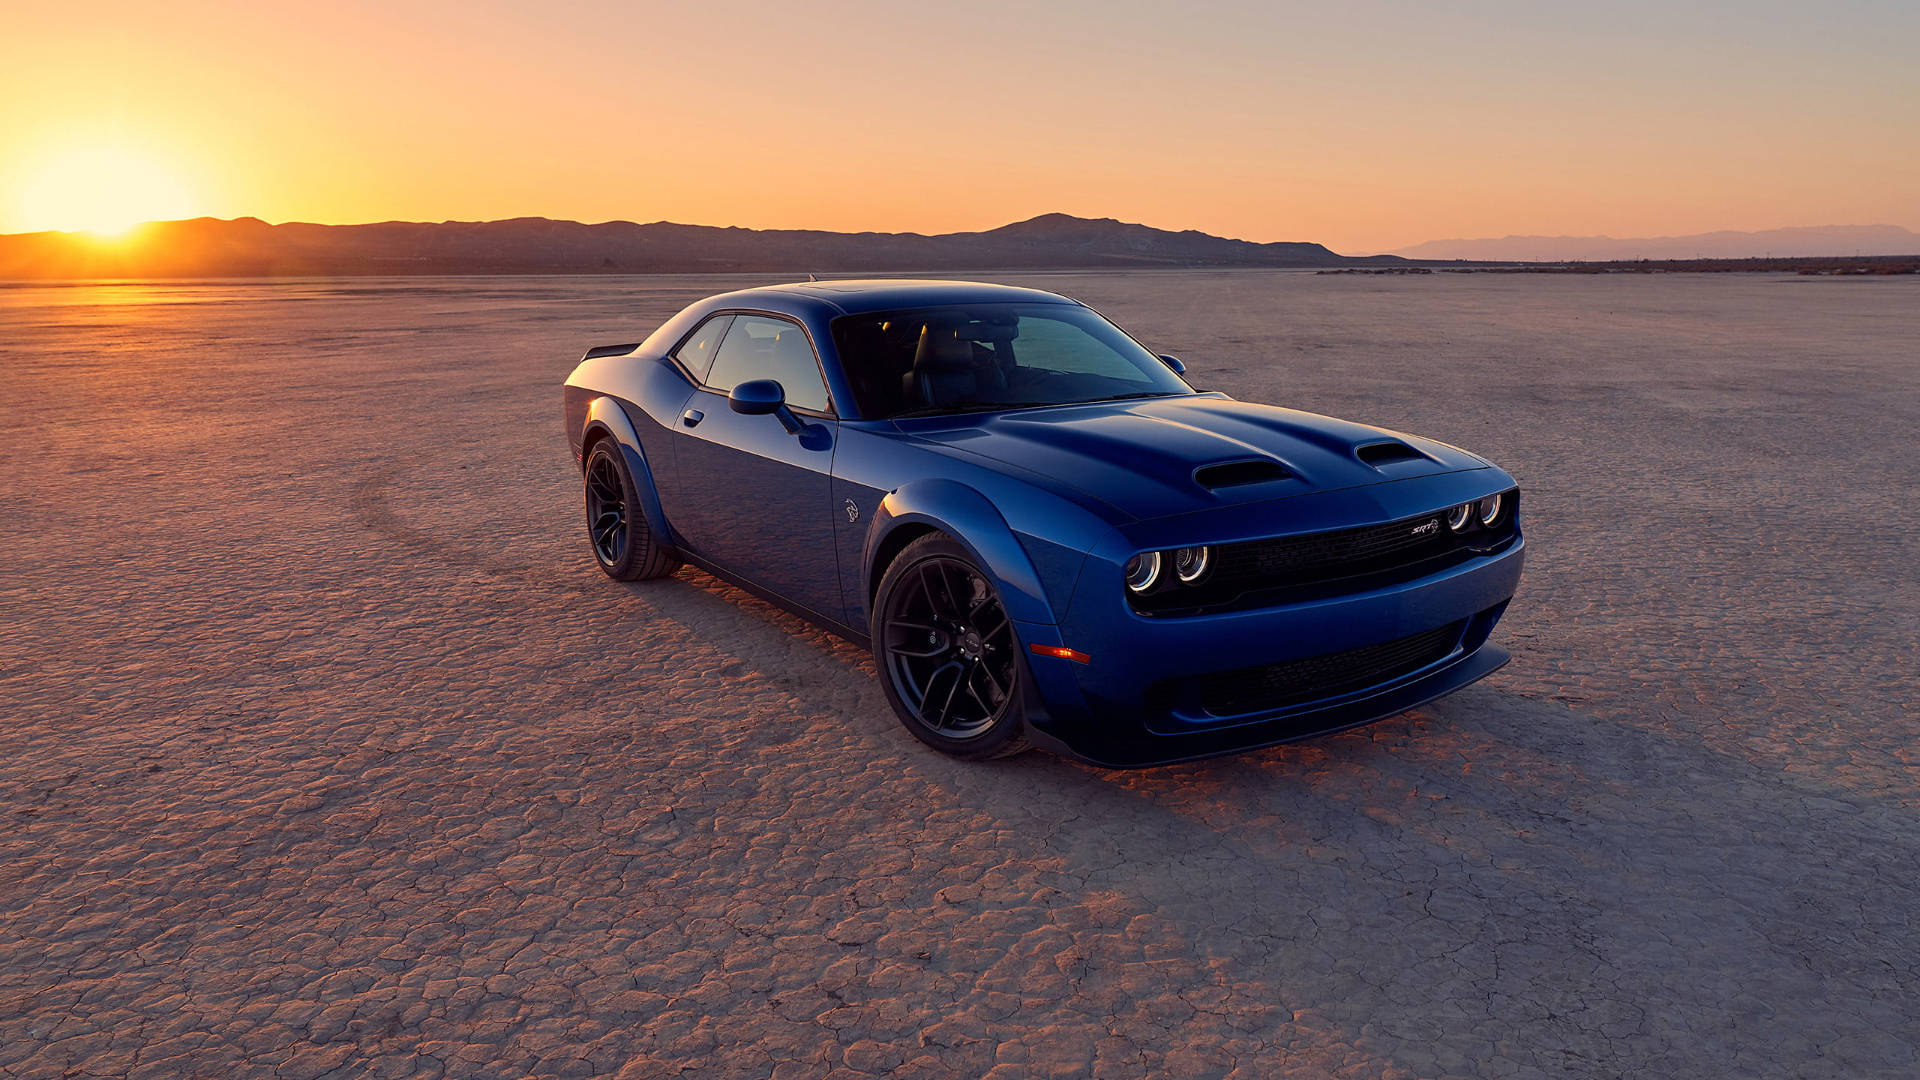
(696, 353)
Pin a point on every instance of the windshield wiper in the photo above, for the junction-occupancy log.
(1140, 394)
(958, 407)
(968, 406)
(972, 406)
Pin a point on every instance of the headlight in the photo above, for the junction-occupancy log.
(1460, 517)
(1490, 508)
(1143, 571)
(1190, 563)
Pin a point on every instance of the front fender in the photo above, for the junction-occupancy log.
(604, 415)
(973, 521)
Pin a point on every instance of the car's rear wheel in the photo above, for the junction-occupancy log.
(948, 656)
(623, 542)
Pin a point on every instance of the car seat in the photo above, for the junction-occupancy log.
(943, 370)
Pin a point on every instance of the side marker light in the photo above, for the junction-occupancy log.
(1062, 652)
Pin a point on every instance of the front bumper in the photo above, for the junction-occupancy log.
(1135, 704)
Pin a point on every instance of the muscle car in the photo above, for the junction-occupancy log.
(1044, 534)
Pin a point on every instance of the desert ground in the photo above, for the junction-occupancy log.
(327, 751)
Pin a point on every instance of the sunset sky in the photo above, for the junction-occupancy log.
(1362, 125)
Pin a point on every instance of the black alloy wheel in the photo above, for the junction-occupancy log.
(948, 652)
(606, 510)
(623, 541)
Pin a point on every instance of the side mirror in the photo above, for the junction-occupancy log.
(760, 397)
(757, 397)
(1173, 362)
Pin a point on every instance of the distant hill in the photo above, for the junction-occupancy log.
(249, 247)
(1822, 240)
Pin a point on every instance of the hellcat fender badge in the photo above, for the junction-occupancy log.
(853, 512)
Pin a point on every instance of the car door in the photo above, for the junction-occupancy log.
(751, 497)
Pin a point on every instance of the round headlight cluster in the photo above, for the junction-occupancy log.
(1143, 571)
(1486, 511)
(1149, 569)
(1490, 508)
(1190, 563)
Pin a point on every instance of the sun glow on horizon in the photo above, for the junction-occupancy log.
(1367, 126)
(104, 188)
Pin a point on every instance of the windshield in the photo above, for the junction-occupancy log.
(978, 357)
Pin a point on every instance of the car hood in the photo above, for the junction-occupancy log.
(1156, 457)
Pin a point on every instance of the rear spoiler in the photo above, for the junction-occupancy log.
(608, 350)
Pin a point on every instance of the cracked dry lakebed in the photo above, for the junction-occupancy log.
(329, 753)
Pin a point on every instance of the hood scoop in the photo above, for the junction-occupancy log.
(1228, 474)
(1380, 455)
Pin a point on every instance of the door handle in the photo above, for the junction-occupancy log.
(692, 417)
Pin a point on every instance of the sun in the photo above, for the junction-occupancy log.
(105, 189)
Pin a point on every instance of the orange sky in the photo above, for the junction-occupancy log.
(1373, 126)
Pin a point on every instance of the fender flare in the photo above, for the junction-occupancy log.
(605, 416)
(976, 524)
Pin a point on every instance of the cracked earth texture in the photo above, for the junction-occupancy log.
(329, 753)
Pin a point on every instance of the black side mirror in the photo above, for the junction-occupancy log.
(759, 397)
(1173, 363)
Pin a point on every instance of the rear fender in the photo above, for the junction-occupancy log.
(967, 516)
(606, 417)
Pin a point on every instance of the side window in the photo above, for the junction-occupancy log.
(696, 353)
(761, 348)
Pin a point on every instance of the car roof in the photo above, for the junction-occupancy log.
(858, 295)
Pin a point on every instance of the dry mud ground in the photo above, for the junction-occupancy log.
(328, 753)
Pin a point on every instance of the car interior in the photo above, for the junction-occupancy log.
(954, 358)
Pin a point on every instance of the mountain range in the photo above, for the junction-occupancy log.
(1813, 241)
(249, 247)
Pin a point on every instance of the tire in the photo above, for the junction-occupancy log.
(618, 534)
(949, 659)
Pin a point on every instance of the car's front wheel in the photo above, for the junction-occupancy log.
(623, 541)
(949, 660)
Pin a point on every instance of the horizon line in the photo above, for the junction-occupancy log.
(130, 230)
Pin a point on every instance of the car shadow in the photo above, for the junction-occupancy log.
(1487, 861)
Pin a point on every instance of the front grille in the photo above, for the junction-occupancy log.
(1294, 682)
(1335, 554)
(1289, 568)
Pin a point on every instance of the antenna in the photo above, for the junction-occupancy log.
(810, 277)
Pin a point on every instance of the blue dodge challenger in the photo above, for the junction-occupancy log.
(1045, 535)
